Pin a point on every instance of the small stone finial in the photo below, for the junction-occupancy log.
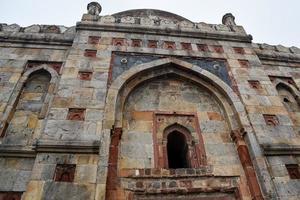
(228, 19)
(94, 8)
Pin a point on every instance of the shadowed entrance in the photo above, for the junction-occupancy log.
(177, 150)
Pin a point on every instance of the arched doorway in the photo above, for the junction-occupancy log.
(177, 149)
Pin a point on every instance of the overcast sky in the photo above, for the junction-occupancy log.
(268, 21)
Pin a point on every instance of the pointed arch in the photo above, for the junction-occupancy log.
(289, 96)
(43, 75)
(235, 112)
(179, 142)
(126, 82)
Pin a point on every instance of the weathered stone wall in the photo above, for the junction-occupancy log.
(15, 173)
(116, 82)
(42, 185)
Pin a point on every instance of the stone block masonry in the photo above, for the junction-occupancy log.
(145, 104)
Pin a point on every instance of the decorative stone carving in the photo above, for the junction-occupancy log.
(186, 24)
(204, 27)
(220, 27)
(147, 22)
(11, 28)
(168, 23)
(52, 29)
(228, 19)
(108, 19)
(32, 29)
(127, 20)
(94, 8)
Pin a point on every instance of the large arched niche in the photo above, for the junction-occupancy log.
(168, 93)
(121, 88)
(196, 90)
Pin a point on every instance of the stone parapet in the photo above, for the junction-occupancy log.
(37, 34)
(277, 52)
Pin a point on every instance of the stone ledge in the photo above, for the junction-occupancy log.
(181, 185)
(66, 146)
(167, 173)
(16, 151)
(281, 149)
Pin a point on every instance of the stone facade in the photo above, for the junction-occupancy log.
(145, 104)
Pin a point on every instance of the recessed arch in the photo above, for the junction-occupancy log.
(289, 96)
(43, 74)
(178, 141)
(124, 84)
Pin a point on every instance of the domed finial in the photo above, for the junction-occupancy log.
(94, 8)
(228, 19)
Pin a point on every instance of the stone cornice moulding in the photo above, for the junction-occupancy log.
(163, 30)
(16, 151)
(53, 146)
(280, 149)
(47, 146)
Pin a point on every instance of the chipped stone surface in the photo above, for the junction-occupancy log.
(131, 96)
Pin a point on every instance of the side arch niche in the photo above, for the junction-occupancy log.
(30, 102)
(152, 101)
(289, 97)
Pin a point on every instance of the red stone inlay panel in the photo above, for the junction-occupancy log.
(86, 76)
(202, 47)
(169, 45)
(136, 43)
(218, 49)
(64, 172)
(244, 63)
(293, 170)
(239, 50)
(152, 44)
(254, 84)
(271, 120)
(94, 39)
(118, 41)
(90, 53)
(10, 195)
(76, 114)
(186, 46)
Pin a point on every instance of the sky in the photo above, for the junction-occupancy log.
(268, 21)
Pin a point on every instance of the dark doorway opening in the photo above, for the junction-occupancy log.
(177, 150)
